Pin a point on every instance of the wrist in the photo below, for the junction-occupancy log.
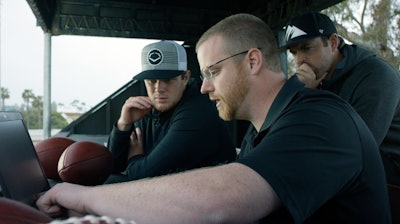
(123, 126)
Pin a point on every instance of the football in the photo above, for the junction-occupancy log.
(14, 212)
(86, 163)
(49, 152)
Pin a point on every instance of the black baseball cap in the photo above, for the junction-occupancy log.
(162, 60)
(306, 27)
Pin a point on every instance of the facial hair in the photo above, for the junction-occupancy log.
(234, 96)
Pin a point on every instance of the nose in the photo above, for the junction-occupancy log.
(159, 85)
(206, 87)
(299, 58)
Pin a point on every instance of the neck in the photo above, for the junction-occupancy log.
(336, 61)
(263, 97)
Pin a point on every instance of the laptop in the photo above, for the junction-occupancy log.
(21, 175)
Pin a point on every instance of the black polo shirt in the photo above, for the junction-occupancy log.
(320, 158)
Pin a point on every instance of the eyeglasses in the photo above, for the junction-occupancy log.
(207, 73)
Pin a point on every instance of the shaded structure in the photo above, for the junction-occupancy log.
(148, 19)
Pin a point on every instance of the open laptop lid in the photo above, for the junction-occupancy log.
(21, 175)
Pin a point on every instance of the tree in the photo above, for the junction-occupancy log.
(57, 121)
(373, 24)
(27, 95)
(5, 94)
(37, 105)
(80, 106)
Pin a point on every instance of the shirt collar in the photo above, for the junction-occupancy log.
(284, 97)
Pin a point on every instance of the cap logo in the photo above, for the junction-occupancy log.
(155, 57)
(293, 32)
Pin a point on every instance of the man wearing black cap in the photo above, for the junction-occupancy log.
(368, 83)
(174, 128)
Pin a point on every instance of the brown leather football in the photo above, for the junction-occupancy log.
(14, 212)
(85, 163)
(49, 152)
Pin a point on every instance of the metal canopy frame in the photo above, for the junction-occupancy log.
(174, 20)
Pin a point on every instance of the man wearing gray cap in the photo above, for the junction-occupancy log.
(174, 128)
(367, 82)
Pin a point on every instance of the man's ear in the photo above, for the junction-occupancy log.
(334, 41)
(255, 58)
(186, 77)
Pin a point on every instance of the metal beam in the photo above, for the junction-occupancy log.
(156, 19)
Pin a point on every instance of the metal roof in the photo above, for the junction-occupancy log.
(157, 19)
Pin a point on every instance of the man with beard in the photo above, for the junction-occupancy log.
(306, 158)
(323, 60)
(174, 128)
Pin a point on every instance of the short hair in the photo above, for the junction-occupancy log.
(325, 39)
(244, 31)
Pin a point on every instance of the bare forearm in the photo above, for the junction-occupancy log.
(213, 195)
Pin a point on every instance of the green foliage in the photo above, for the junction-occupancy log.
(5, 94)
(373, 24)
(33, 112)
(27, 95)
(57, 121)
(36, 122)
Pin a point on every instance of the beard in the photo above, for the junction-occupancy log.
(234, 97)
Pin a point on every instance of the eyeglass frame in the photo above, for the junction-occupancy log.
(203, 75)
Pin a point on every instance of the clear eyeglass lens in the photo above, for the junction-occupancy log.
(210, 74)
(207, 74)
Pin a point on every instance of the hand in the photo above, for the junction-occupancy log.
(63, 196)
(307, 76)
(136, 143)
(133, 109)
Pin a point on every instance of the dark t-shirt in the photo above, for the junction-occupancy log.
(320, 158)
(190, 136)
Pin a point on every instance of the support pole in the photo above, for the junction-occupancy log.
(47, 87)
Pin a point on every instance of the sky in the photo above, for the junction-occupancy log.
(87, 69)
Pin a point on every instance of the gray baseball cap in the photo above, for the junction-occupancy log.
(162, 60)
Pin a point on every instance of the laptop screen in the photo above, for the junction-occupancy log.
(21, 175)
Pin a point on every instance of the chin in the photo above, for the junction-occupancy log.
(224, 115)
(163, 108)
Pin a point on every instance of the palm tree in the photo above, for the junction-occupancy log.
(37, 105)
(27, 95)
(5, 94)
